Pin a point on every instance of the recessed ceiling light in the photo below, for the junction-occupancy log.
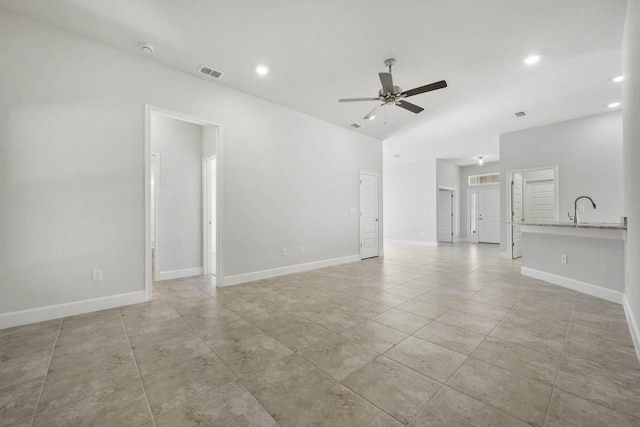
(480, 159)
(532, 59)
(617, 79)
(371, 118)
(262, 70)
(614, 105)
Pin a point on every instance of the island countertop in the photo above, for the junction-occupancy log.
(601, 225)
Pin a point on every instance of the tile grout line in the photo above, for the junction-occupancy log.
(144, 390)
(236, 376)
(46, 374)
(564, 343)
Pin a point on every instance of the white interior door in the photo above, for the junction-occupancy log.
(445, 216)
(540, 201)
(489, 215)
(517, 214)
(369, 215)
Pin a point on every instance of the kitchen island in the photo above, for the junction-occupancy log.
(586, 257)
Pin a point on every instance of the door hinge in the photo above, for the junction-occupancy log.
(512, 182)
(360, 181)
(361, 245)
(513, 245)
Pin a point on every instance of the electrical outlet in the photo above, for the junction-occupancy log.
(284, 251)
(301, 250)
(97, 275)
(563, 259)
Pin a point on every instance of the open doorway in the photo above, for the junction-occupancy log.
(446, 215)
(184, 208)
(533, 199)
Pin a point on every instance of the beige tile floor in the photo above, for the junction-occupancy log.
(423, 337)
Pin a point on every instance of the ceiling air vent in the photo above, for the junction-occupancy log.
(520, 114)
(210, 71)
(356, 125)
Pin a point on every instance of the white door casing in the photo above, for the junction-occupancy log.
(489, 215)
(445, 216)
(517, 214)
(369, 215)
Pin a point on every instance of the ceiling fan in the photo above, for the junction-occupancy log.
(390, 94)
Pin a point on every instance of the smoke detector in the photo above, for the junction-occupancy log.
(146, 47)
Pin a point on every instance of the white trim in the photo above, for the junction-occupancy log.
(290, 269)
(576, 285)
(413, 242)
(178, 274)
(633, 325)
(40, 314)
(155, 258)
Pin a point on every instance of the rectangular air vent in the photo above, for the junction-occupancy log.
(210, 71)
(356, 125)
(520, 114)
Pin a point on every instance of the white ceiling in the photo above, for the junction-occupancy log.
(320, 51)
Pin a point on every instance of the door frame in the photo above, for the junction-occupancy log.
(479, 190)
(156, 210)
(380, 240)
(453, 212)
(149, 110)
(206, 213)
(509, 206)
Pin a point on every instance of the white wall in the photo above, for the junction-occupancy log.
(588, 152)
(180, 145)
(448, 175)
(410, 202)
(631, 104)
(72, 169)
(465, 173)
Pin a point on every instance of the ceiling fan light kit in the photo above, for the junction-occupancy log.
(393, 95)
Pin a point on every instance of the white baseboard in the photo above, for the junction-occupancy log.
(412, 242)
(633, 325)
(576, 285)
(178, 274)
(290, 269)
(40, 314)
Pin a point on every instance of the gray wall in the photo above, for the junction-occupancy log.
(410, 202)
(72, 169)
(179, 192)
(465, 172)
(588, 152)
(631, 104)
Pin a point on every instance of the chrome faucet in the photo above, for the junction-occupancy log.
(575, 208)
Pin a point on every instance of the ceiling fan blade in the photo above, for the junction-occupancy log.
(387, 82)
(358, 99)
(427, 88)
(409, 106)
(372, 113)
